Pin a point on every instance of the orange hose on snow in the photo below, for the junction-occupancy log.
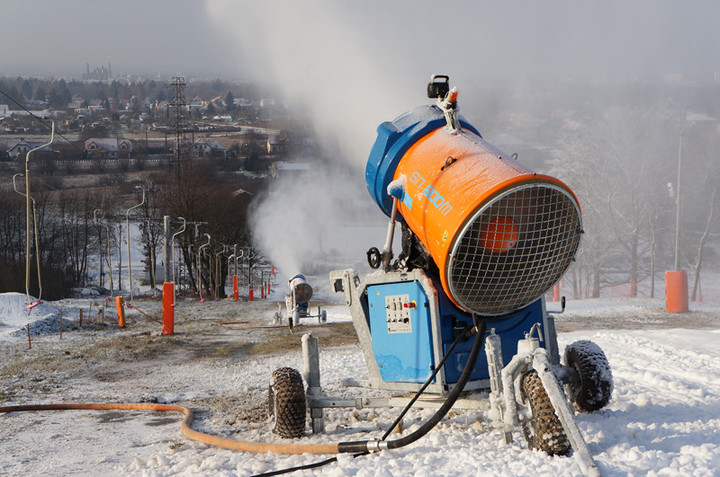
(216, 441)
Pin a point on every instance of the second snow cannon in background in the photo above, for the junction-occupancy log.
(297, 303)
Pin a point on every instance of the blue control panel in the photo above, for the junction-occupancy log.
(401, 333)
(403, 341)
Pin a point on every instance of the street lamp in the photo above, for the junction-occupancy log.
(127, 225)
(37, 246)
(199, 269)
(27, 213)
(172, 242)
(218, 268)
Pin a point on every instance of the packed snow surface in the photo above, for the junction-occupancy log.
(663, 418)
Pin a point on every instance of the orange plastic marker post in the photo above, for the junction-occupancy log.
(676, 291)
(168, 307)
(235, 288)
(120, 303)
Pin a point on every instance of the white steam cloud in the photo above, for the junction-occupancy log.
(313, 52)
(313, 221)
(316, 218)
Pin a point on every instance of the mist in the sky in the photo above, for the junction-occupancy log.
(358, 64)
(355, 65)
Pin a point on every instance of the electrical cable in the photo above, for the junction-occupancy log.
(429, 380)
(360, 446)
(313, 465)
(461, 336)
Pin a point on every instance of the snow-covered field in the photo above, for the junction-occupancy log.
(663, 418)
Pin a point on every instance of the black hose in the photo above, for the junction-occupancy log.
(461, 336)
(314, 465)
(361, 446)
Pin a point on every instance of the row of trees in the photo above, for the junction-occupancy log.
(72, 238)
(623, 164)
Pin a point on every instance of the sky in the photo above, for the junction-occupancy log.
(231, 38)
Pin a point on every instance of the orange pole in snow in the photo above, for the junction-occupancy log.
(556, 292)
(250, 294)
(676, 291)
(235, 287)
(168, 299)
(120, 303)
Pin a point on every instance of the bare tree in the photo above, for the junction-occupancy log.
(711, 219)
(617, 164)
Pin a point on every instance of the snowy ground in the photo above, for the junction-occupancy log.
(663, 419)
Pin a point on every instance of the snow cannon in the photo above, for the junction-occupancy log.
(297, 304)
(499, 234)
(483, 238)
(300, 288)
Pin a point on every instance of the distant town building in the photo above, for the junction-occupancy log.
(77, 102)
(205, 147)
(275, 143)
(20, 147)
(108, 147)
(98, 74)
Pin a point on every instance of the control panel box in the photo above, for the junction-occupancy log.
(401, 331)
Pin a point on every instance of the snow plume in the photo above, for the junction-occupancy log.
(313, 221)
(322, 61)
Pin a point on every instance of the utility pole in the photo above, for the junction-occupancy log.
(179, 104)
(677, 203)
(127, 225)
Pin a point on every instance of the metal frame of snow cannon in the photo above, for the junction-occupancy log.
(297, 304)
(505, 401)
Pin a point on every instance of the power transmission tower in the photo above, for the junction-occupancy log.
(179, 106)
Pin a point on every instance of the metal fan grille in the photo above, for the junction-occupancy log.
(514, 248)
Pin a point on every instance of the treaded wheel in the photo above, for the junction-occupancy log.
(594, 387)
(286, 403)
(543, 431)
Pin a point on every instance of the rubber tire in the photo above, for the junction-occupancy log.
(544, 422)
(286, 403)
(595, 385)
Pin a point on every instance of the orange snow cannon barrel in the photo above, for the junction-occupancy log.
(500, 234)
